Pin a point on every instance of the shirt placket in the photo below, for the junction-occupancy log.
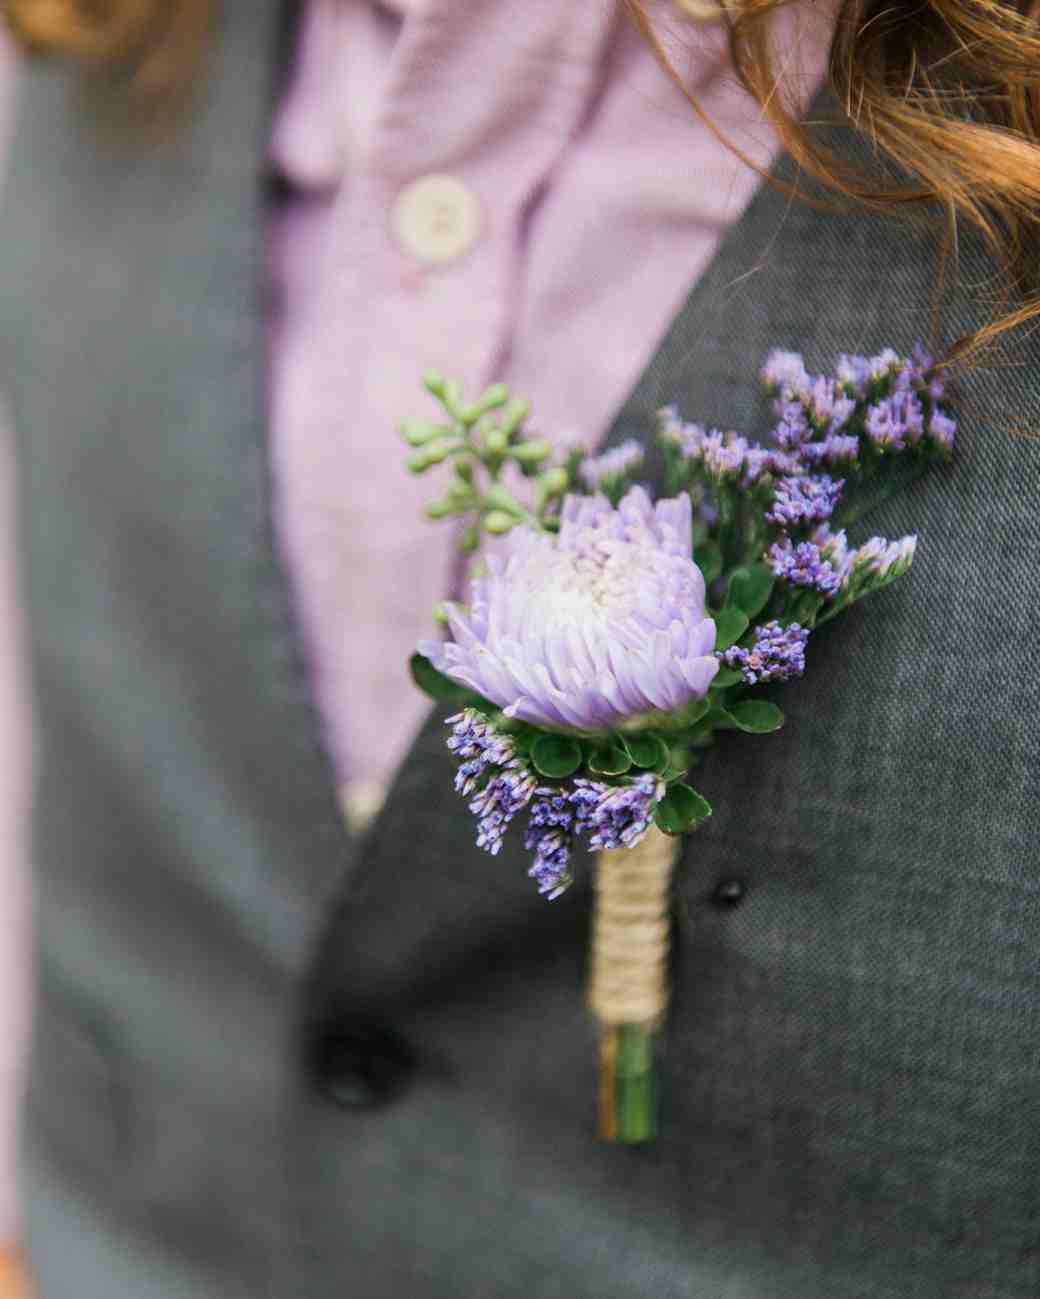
(423, 268)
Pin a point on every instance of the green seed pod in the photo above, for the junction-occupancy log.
(451, 396)
(433, 382)
(516, 413)
(555, 481)
(460, 497)
(493, 397)
(498, 523)
(470, 539)
(438, 509)
(417, 462)
(498, 497)
(530, 453)
(496, 442)
(464, 471)
(417, 432)
(437, 452)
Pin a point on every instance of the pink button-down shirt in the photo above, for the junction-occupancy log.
(601, 199)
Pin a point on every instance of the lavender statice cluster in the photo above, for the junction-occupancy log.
(884, 402)
(778, 654)
(878, 558)
(491, 771)
(616, 816)
(614, 470)
(808, 499)
(502, 784)
(550, 836)
(723, 457)
(611, 816)
(872, 406)
(804, 563)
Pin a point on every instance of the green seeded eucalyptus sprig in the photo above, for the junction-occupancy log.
(480, 442)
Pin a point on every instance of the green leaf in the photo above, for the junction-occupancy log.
(681, 809)
(730, 625)
(757, 716)
(647, 751)
(726, 677)
(434, 683)
(716, 719)
(750, 589)
(610, 760)
(556, 756)
(676, 766)
(708, 559)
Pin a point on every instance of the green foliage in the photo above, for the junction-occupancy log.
(730, 625)
(434, 683)
(611, 759)
(681, 809)
(556, 756)
(708, 559)
(647, 751)
(750, 588)
(756, 716)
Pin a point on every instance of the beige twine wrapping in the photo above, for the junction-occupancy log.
(629, 975)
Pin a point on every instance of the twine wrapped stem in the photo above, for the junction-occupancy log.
(628, 987)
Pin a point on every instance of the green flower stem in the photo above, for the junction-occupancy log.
(636, 1091)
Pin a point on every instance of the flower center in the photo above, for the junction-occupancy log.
(601, 577)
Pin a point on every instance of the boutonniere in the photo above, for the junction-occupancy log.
(609, 637)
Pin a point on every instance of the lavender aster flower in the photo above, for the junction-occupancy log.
(602, 622)
(804, 565)
(617, 816)
(612, 468)
(778, 654)
(804, 500)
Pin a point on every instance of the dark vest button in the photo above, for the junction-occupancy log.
(728, 893)
(360, 1066)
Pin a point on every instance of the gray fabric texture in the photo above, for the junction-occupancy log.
(851, 1067)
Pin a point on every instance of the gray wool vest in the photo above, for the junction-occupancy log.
(271, 1063)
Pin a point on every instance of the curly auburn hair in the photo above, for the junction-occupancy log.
(947, 90)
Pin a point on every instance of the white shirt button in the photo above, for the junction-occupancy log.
(436, 219)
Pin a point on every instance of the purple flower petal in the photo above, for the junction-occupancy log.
(578, 630)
